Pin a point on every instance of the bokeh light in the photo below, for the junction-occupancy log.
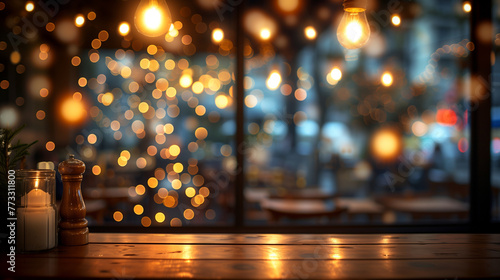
(274, 80)
(96, 170)
(463, 145)
(138, 209)
(160, 217)
(50, 146)
(217, 35)
(174, 150)
(40, 114)
(118, 216)
(419, 128)
(446, 117)
(146, 221)
(73, 111)
(124, 28)
(91, 15)
(496, 145)
(140, 189)
(79, 20)
(188, 214)
(9, 117)
(265, 33)
(310, 33)
(190, 192)
(30, 6)
(221, 101)
(467, 7)
(334, 76)
(386, 144)
(186, 80)
(386, 79)
(288, 6)
(175, 222)
(396, 20)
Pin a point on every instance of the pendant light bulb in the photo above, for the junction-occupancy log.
(152, 18)
(353, 31)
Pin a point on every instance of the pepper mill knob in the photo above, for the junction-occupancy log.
(73, 228)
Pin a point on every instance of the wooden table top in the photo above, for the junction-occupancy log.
(269, 256)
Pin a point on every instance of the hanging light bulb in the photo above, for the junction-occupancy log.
(354, 31)
(152, 18)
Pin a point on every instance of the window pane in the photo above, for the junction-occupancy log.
(374, 135)
(143, 113)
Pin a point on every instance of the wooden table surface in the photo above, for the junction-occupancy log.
(269, 256)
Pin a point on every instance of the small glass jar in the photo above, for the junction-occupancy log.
(36, 210)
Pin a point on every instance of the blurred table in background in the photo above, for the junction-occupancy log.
(361, 206)
(426, 207)
(312, 203)
(305, 193)
(301, 209)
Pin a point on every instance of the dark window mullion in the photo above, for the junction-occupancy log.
(240, 114)
(480, 118)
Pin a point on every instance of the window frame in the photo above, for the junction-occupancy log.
(480, 216)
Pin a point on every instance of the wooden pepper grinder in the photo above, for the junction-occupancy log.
(73, 228)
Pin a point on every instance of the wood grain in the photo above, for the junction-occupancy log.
(281, 252)
(269, 256)
(260, 269)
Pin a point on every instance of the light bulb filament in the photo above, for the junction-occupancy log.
(354, 31)
(152, 18)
